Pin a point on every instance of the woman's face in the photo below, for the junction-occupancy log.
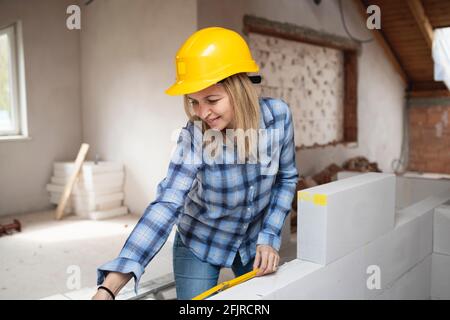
(213, 106)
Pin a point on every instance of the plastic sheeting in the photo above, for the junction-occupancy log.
(441, 55)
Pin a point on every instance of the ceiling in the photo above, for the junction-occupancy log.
(406, 30)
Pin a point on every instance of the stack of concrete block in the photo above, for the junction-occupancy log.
(353, 245)
(98, 192)
(440, 270)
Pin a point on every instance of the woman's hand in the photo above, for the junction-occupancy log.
(266, 259)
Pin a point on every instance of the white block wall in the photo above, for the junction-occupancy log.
(441, 243)
(440, 267)
(338, 217)
(409, 268)
(410, 189)
(414, 284)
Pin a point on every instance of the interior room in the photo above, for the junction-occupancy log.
(87, 133)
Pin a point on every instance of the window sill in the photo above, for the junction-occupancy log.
(14, 138)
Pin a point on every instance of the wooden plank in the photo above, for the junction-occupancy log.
(429, 93)
(424, 60)
(437, 12)
(428, 85)
(73, 178)
(422, 48)
(387, 23)
(422, 20)
(402, 36)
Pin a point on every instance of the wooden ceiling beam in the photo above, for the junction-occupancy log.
(416, 8)
(381, 40)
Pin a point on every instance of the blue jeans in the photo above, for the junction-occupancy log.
(193, 276)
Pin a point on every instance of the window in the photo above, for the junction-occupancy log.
(12, 97)
(441, 55)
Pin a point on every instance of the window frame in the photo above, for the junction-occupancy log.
(17, 83)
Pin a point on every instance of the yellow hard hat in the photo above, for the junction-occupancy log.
(208, 56)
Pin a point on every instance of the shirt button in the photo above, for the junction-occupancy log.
(248, 209)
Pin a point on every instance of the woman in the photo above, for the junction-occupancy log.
(226, 192)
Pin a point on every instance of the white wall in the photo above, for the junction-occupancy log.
(127, 57)
(52, 65)
(380, 89)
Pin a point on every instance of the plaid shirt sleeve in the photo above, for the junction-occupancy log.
(153, 228)
(284, 188)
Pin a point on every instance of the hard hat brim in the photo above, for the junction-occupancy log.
(191, 86)
(186, 87)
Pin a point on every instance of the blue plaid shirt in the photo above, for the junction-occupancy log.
(220, 209)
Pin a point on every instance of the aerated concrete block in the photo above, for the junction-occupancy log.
(402, 248)
(337, 218)
(412, 285)
(441, 235)
(394, 253)
(440, 276)
(262, 287)
(342, 279)
(403, 256)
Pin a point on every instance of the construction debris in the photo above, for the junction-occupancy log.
(360, 164)
(329, 174)
(7, 228)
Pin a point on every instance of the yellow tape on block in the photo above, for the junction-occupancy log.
(320, 199)
(317, 199)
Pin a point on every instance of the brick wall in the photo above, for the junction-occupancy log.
(429, 135)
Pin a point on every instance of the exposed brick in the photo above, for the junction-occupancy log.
(429, 139)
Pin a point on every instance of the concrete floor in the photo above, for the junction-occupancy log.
(35, 263)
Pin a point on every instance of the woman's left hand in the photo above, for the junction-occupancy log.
(266, 259)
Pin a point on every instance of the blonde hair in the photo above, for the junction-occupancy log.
(244, 99)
